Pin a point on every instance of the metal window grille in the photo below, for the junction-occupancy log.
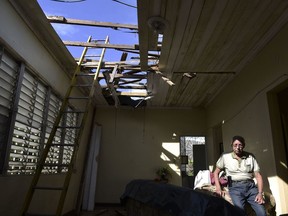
(31, 111)
(8, 77)
(25, 146)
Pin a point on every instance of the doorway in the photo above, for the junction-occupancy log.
(193, 158)
(283, 109)
(278, 108)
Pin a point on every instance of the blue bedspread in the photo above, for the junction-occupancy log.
(179, 201)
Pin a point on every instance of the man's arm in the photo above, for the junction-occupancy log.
(259, 198)
(217, 183)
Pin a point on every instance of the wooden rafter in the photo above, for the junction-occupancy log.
(128, 82)
(64, 20)
(132, 72)
(133, 94)
(111, 88)
(100, 45)
(123, 76)
(131, 87)
(110, 65)
(149, 54)
(113, 74)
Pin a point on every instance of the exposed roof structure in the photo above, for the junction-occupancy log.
(206, 44)
(121, 81)
(187, 52)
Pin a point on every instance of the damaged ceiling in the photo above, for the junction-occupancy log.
(187, 52)
(206, 44)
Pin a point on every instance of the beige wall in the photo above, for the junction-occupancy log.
(132, 143)
(243, 109)
(24, 42)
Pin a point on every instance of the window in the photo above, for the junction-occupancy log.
(186, 149)
(8, 72)
(29, 106)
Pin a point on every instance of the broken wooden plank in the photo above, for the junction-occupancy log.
(133, 94)
(121, 86)
(100, 45)
(149, 54)
(112, 89)
(123, 76)
(113, 74)
(64, 20)
(131, 81)
(166, 79)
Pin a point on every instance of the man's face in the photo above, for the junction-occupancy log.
(237, 147)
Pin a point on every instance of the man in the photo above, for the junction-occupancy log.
(241, 167)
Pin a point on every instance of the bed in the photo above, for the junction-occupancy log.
(153, 198)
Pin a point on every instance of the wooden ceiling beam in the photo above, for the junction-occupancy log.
(142, 6)
(129, 64)
(149, 54)
(132, 72)
(128, 82)
(113, 74)
(123, 76)
(64, 20)
(131, 87)
(206, 72)
(100, 45)
(133, 94)
(112, 89)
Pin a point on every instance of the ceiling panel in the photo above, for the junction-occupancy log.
(213, 39)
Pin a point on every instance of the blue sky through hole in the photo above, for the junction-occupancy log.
(94, 10)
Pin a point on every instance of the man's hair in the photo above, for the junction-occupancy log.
(239, 138)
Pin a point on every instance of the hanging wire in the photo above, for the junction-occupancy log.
(124, 3)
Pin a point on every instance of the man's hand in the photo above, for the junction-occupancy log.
(259, 199)
(219, 191)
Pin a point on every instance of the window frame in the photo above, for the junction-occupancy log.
(42, 105)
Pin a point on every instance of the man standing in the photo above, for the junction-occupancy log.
(242, 167)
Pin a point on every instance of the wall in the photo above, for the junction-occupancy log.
(132, 143)
(24, 42)
(20, 39)
(243, 109)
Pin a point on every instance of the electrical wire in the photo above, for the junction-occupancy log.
(124, 3)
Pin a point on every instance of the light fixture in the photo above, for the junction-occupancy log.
(158, 24)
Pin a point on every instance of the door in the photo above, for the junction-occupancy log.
(199, 154)
(91, 170)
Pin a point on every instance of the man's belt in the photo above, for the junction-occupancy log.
(242, 181)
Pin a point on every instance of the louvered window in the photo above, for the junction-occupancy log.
(8, 77)
(31, 111)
